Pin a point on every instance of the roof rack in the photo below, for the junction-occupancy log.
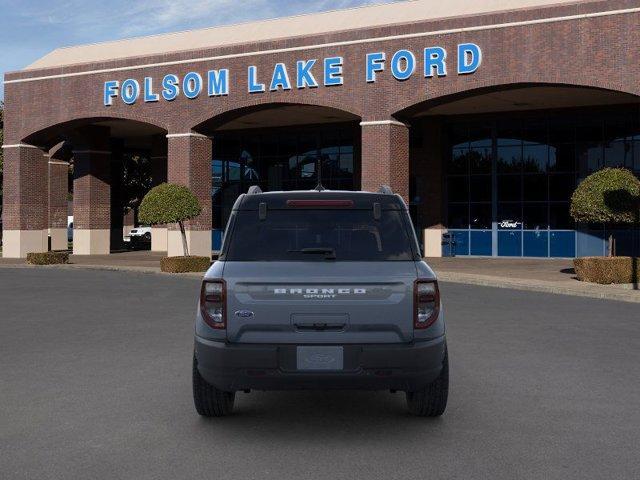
(385, 190)
(253, 190)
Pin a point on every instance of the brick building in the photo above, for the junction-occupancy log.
(483, 115)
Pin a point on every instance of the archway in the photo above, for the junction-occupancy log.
(113, 162)
(280, 147)
(496, 167)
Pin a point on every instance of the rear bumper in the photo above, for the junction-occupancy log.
(232, 367)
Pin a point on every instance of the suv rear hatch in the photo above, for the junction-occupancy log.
(320, 273)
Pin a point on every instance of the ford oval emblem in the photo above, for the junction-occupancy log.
(244, 313)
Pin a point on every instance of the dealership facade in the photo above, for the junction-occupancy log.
(483, 119)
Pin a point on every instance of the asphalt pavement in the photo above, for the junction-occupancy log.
(95, 383)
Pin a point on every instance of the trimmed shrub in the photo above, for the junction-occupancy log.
(48, 258)
(607, 270)
(185, 264)
(610, 195)
(170, 203)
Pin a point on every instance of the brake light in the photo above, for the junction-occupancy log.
(426, 303)
(213, 299)
(320, 203)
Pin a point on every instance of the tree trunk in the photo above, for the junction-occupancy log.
(185, 247)
(610, 245)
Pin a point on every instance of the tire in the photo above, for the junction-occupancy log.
(208, 400)
(147, 236)
(431, 401)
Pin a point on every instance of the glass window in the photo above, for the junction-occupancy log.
(589, 157)
(562, 158)
(535, 188)
(458, 189)
(480, 216)
(509, 133)
(279, 159)
(618, 154)
(636, 156)
(561, 187)
(480, 159)
(307, 235)
(510, 216)
(559, 217)
(509, 188)
(479, 136)
(459, 161)
(510, 159)
(458, 215)
(535, 133)
(535, 158)
(480, 188)
(535, 216)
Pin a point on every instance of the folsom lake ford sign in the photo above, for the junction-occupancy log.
(309, 73)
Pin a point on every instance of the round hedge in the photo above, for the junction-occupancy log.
(611, 195)
(168, 203)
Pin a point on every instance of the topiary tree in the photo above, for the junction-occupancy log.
(169, 203)
(610, 195)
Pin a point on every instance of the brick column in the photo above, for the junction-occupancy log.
(58, 190)
(189, 164)
(385, 156)
(24, 201)
(92, 193)
(159, 175)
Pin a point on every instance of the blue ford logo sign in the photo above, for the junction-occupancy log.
(244, 313)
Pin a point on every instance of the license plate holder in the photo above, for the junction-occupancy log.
(319, 358)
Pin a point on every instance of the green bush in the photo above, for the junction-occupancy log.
(610, 195)
(169, 203)
(607, 270)
(185, 264)
(48, 258)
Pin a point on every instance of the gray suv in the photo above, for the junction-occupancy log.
(320, 290)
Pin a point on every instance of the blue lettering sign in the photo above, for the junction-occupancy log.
(110, 92)
(333, 71)
(375, 63)
(218, 81)
(280, 78)
(469, 58)
(403, 64)
(192, 85)
(435, 58)
(254, 86)
(130, 91)
(149, 96)
(170, 87)
(304, 76)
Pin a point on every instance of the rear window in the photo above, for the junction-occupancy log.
(308, 235)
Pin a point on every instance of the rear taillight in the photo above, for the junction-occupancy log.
(213, 303)
(426, 303)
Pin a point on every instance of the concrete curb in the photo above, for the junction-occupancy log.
(604, 292)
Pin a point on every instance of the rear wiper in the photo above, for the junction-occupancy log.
(330, 253)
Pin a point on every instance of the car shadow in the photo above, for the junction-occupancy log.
(349, 414)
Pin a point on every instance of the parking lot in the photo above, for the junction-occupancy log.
(95, 383)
